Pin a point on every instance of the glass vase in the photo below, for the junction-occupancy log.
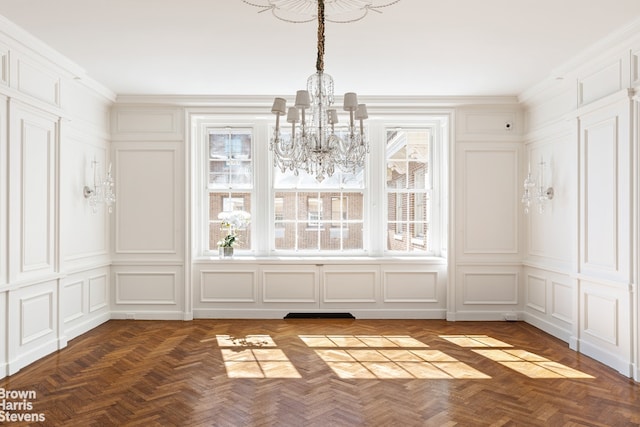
(225, 251)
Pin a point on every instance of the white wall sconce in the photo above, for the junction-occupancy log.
(101, 191)
(536, 191)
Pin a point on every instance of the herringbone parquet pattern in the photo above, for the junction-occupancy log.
(323, 373)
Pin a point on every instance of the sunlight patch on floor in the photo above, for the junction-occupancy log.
(253, 356)
(531, 364)
(522, 361)
(474, 341)
(386, 357)
(379, 341)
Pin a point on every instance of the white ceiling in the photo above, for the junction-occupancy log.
(225, 47)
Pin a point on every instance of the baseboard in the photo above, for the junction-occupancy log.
(548, 327)
(281, 313)
(147, 315)
(29, 357)
(482, 316)
(625, 367)
(83, 327)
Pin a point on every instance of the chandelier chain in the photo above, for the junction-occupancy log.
(320, 59)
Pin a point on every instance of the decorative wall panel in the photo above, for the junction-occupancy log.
(537, 293)
(4, 208)
(98, 292)
(146, 288)
(228, 286)
(605, 189)
(72, 307)
(489, 288)
(355, 284)
(409, 286)
(147, 124)
(604, 81)
(4, 65)
(600, 147)
(146, 211)
(290, 285)
(32, 194)
(83, 232)
(37, 315)
(489, 209)
(36, 80)
(562, 302)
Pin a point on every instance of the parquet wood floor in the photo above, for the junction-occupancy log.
(323, 372)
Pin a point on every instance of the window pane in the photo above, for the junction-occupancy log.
(408, 189)
(319, 221)
(230, 164)
(227, 202)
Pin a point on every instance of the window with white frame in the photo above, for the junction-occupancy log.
(408, 188)
(230, 183)
(300, 216)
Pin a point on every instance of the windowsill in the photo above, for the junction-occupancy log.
(337, 259)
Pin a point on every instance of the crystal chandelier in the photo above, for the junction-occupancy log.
(315, 146)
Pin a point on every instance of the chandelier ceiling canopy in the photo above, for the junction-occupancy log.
(340, 11)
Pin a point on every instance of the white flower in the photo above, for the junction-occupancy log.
(236, 220)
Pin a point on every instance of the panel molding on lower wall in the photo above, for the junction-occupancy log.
(141, 287)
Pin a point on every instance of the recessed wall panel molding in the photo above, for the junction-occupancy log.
(32, 193)
(72, 301)
(98, 292)
(3, 336)
(37, 316)
(635, 66)
(148, 219)
(408, 286)
(291, 285)
(84, 233)
(536, 291)
(37, 80)
(562, 302)
(488, 209)
(601, 314)
(238, 286)
(4, 65)
(147, 124)
(605, 223)
(4, 189)
(489, 288)
(146, 288)
(600, 82)
(489, 125)
(352, 284)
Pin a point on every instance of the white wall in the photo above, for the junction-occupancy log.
(581, 258)
(55, 269)
(150, 228)
(485, 267)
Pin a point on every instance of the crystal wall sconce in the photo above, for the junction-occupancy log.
(536, 191)
(102, 190)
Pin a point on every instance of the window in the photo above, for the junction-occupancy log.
(230, 180)
(408, 154)
(395, 206)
